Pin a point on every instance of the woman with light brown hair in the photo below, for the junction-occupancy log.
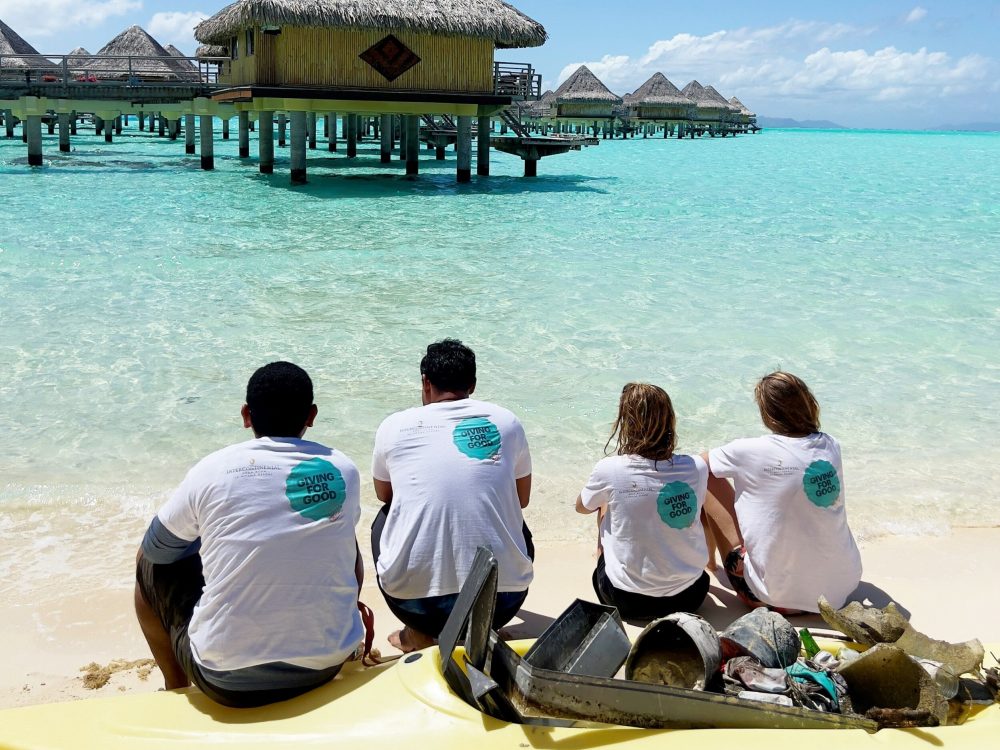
(650, 499)
(789, 503)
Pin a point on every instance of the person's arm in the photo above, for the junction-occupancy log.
(720, 510)
(359, 567)
(581, 508)
(383, 490)
(523, 490)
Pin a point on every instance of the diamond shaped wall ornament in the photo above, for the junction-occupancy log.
(390, 57)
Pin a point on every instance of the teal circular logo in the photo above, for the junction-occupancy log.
(316, 489)
(821, 483)
(477, 437)
(677, 505)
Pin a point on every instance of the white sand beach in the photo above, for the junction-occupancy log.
(944, 582)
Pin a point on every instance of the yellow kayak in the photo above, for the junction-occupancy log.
(409, 704)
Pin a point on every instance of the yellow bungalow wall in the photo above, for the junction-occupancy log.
(329, 57)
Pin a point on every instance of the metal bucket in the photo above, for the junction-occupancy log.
(680, 650)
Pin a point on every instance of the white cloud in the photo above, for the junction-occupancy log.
(797, 61)
(41, 18)
(176, 28)
(916, 15)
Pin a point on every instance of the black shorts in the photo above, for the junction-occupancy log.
(172, 591)
(633, 606)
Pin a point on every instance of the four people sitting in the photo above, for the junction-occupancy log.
(258, 544)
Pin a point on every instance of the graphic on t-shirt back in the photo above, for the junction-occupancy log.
(677, 505)
(477, 437)
(316, 489)
(821, 484)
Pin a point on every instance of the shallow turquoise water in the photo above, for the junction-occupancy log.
(137, 293)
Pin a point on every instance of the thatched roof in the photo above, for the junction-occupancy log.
(741, 106)
(658, 90)
(174, 52)
(136, 41)
(702, 98)
(17, 53)
(212, 50)
(583, 86)
(489, 19)
(715, 96)
(78, 59)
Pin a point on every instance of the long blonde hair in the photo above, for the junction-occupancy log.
(645, 425)
(787, 406)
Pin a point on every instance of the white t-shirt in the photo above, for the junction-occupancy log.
(791, 510)
(276, 518)
(453, 467)
(653, 538)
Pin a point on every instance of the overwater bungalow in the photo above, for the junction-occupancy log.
(660, 102)
(182, 59)
(17, 54)
(710, 115)
(134, 54)
(747, 119)
(420, 57)
(77, 60)
(582, 100)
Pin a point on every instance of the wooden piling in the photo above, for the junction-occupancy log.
(352, 135)
(463, 148)
(64, 132)
(298, 150)
(331, 120)
(8, 122)
(282, 127)
(484, 126)
(265, 142)
(311, 129)
(33, 130)
(412, 124)
(189, 134)
(207, 147)
(385, 152)
(531, 167)
(243, 125)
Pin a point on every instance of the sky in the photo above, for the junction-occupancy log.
(861, 64)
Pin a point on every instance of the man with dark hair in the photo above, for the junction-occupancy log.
(247, 579)
(454, 475)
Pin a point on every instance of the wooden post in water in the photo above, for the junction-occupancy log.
(385, 141)
(72, 123)
(207, 147)
(51, 125)
(109, 130)
(531, 167)
(265, 142)
(118, 125)
(331, 124)
(243, 125)
(189, 134)
(298, 150)
(463, 148)
(98, 125)
(311, 129)
(8, 122)
(64, 132)
(412, 123)
(352, 135)
(402, 137)
(142, 121)
(282, 128)
(483, 128)
(33, 129)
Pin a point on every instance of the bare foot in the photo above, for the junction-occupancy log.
(408, 639)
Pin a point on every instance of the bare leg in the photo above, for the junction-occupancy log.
(159, 643)
(711, 541)
(408, 639)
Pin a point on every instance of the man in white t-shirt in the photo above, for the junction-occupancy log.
(454, 475)
(247, 579)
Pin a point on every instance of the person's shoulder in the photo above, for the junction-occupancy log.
(496, 412)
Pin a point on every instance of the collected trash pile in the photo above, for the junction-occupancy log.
(680, 673)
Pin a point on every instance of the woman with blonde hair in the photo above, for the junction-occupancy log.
(650, 499)
(789, 503)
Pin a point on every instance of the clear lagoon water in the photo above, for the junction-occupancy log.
(137, 293)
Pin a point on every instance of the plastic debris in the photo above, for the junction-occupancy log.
(885, 677)
(763, 634)
(775, 698)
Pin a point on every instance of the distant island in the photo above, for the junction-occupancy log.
(788, 122)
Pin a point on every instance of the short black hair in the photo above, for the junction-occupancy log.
(449, 365)
(279, 395)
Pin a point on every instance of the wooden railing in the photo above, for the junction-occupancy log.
(516, 79)
(135, 70)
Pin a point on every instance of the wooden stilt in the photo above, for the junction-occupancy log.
(207, 146)
(298, 150)
(265, 143)
(463, 148)
(243, 127)
(483, 146)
